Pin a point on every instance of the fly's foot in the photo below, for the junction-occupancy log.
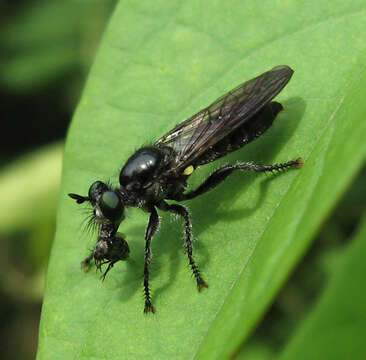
(299, 162)
(149, 307)
(201, 284)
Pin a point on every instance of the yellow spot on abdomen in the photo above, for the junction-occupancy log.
(188, 170)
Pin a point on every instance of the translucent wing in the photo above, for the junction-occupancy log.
(192, 137)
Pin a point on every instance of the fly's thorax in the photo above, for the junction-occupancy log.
(143, 168)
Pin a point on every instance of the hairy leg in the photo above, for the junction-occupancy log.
(221, 174)
(182, 211)
(150, 231)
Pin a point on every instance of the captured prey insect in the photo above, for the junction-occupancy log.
(160, 171)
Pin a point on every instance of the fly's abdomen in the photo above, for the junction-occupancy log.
(250, 130)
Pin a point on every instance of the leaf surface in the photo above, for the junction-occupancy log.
(159, 64)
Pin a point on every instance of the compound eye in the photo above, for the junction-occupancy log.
(111, 206)
(96, 190)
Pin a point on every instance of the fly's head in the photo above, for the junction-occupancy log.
(107, 204)
(108, 212)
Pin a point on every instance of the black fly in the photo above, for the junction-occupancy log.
(159, 172)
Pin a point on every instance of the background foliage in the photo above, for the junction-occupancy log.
(46, 48)
(157, 65)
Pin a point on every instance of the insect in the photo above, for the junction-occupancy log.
(159, 172)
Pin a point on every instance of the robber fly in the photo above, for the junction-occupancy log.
(160, 171)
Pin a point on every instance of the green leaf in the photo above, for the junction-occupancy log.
(336, 327)
(159, 64)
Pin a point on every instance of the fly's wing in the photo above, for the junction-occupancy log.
(195, 135)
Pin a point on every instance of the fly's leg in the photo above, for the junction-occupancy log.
(221, 174)
(150, 231)
(110, 265)
(182, 211)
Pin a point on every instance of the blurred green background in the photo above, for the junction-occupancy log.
(43, 67)
(46, 49)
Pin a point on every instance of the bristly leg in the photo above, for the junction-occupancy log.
(110, 265)
(182, 211)
(222, 173)
(152, 227)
